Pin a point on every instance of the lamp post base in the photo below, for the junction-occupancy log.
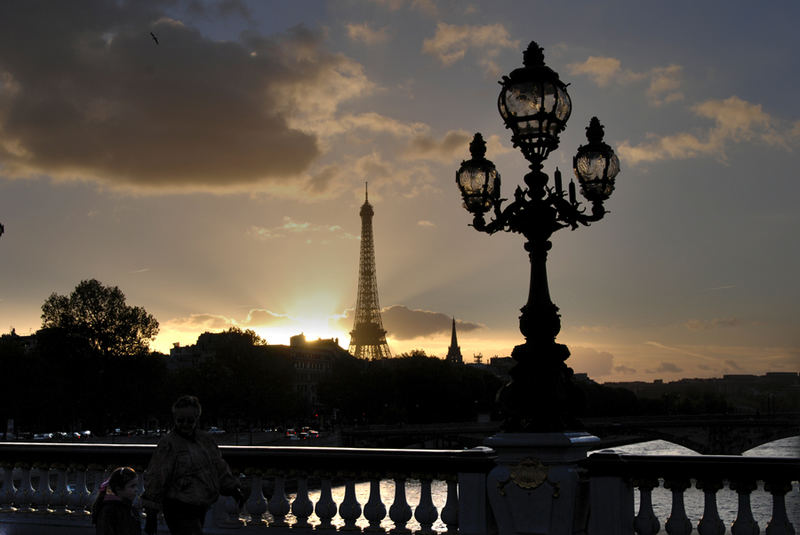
(541, 396)
(535, 489)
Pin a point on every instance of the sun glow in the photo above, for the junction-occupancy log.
(312, 317)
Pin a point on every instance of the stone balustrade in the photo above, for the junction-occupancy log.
(49, 488)
(614, 477)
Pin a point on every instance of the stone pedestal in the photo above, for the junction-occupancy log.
(535, 488)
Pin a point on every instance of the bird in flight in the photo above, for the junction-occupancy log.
(154, 37)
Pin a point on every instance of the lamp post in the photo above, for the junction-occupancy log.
(535, 106)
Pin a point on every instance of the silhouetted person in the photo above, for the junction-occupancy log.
(113, 511)
(186, 474)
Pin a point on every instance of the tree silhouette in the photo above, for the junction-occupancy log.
(100, 315)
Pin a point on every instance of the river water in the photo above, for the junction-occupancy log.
(761, 501)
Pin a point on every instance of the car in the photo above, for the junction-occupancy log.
(312, 433)
(43, 436)
(290, 433)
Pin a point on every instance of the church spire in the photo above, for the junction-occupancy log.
(454, 351)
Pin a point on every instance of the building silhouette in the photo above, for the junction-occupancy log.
(368, 337)
(454, 351)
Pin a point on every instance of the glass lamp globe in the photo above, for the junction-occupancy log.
(535, 105)
(596, 165)
(478, 179)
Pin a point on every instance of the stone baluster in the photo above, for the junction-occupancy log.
(98, 476)
(450, 509)
(374, 509)
(137, 500)
(711, 523)
(678, 523)
(425, 513)
(779, 523)
(7, 490)
(41, 498)
(58, 500)
(278, 504)
(646, 522)
(400, 511)
(350, 509)
(224, 514)
(78, 498)
(744, 524)
(24, 493)
(256, 504)
(326, 507)
(302, 506)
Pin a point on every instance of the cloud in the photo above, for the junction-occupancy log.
(666, 367)
(600, 70)
(664, 85)
(403, 323)
(369, 122)
(664, 82)
(291, 227)
(426, 7)
(733, 364)
(735, 121)
(96, 98)
(427, 147)
(362, 33)
(256, 317)
(259, 317)
(425, 223)
(624, 369)
(590, 361)
(724, 287)
(705, 325)
(679, 350)
(200, 323)
(450, 44)
(220, 8)
(453, 145)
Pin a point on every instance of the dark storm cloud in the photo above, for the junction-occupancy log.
(402, 323)
(85, 92)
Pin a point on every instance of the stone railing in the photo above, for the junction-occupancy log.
(613, 478)
(49, 488)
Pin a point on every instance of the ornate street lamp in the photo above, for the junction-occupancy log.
(535, 106)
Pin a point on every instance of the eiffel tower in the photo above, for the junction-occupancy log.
(368, 337)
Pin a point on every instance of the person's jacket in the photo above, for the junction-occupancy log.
(117, 517)
(189, 470)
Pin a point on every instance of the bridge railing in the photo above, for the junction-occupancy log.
(614, 478)
(50, 488)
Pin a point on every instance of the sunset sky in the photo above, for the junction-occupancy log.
(216, 176)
